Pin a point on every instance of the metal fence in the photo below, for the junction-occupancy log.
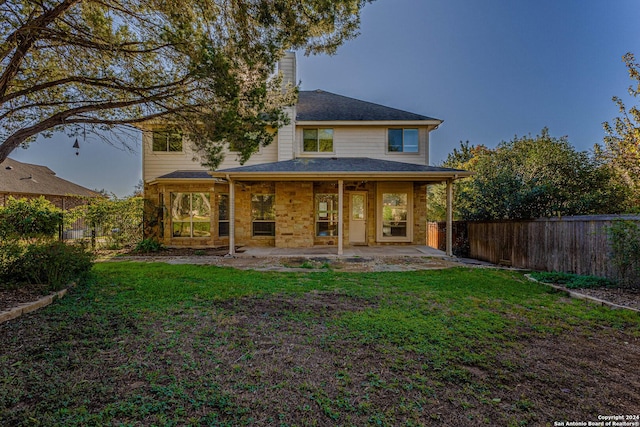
(95, 235)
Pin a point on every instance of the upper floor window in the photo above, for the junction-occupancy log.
(167, 140)
(402, 141)
(317, 140)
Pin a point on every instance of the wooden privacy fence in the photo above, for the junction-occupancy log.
(437, 237)
(576, 244)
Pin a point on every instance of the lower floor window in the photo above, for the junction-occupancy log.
(190, 215)
(223, 215)
(394, 214)
(326, 215)
(263, 215)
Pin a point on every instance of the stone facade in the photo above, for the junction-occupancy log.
(295, 227)
(419, 214)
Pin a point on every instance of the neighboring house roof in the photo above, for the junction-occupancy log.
(24, 178)
(343, 166)
(318, 105)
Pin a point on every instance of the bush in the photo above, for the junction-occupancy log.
(624, 237)
(148, 245)
(11, 253)
(29, 219)
(55, 264)
(573, 281)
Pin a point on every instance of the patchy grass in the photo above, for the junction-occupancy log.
(158, 344)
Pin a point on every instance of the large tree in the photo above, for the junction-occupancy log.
(531, 177)
(205, 66)
(622, 142)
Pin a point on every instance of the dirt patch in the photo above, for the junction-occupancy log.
(287, 361)
(626, 297)
(284, 263)
(10, 298)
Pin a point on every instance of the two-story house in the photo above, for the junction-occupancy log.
(344, 172)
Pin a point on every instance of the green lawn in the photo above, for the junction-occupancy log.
(157, 344)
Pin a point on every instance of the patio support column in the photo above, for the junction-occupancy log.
(449, 243)
(340, 219)
(232, 217)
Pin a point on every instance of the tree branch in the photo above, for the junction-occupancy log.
(62, 118)
(110, 83)
(25, 37)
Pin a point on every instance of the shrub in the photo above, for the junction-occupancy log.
(29, 219)
(624, 238)
(573, 281)
(148, 245)
(55, 264)
(11, 253)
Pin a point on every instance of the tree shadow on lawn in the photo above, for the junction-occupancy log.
(293, 360)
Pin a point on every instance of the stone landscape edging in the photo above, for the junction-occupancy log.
(30, 306)
(578, 295)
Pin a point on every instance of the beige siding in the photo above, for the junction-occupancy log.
(286, 137)
(367, 141)
(157, 164)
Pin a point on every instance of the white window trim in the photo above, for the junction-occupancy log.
(191, 221)
(303, 153)
(218, 220)
(403, 153)
(316, 216)
(392, 187)
(165, 152)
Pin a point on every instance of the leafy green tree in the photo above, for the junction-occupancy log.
(531, 177)
(622, 142)
(205, 66)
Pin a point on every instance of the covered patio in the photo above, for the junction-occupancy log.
(333, 206)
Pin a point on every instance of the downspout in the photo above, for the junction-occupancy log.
(340, 214)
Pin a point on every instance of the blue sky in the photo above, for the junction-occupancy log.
(491, 69)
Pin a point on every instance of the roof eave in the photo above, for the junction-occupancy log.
(434, 176)
(211, 180)
(435, 122)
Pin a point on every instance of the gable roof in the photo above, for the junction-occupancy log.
(318, 105)
(25, 178)
(346, 167)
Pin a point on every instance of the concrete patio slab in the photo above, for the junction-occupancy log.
(353, 251)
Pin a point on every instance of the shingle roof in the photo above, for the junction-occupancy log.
(318, 105)
(24, 178)
(342, 164)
